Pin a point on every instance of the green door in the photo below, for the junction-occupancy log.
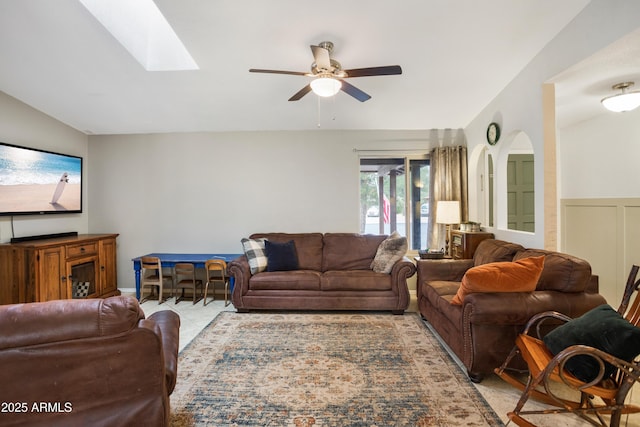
(520, 193)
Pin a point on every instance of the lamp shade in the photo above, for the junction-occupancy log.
(448, 212)
(326, 86)
(625, 101)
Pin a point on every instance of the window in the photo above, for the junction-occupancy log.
(389, 196)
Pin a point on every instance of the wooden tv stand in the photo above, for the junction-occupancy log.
(82, 266)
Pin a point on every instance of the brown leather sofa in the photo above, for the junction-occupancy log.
(95, 362)
(334, 274)
(482, 331)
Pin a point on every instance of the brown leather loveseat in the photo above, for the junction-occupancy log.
(482, 331)
(334, 273)
(95, 362)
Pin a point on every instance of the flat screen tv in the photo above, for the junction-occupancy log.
(34, 182)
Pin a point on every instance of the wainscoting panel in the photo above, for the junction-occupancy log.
(632, 233)
(605, 232)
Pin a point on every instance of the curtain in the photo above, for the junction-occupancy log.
(448, 181)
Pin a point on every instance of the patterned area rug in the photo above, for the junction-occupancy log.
(320, 370)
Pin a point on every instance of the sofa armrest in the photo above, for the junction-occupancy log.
(403, 267)
(516, 308)
(168, 324)
(239, 269)
(401, 271)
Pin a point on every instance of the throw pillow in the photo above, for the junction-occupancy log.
(281, 256)
(254, 250)
(602, 328)
(390, 251)
(517, 276)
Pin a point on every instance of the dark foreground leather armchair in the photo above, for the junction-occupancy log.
(95, 362)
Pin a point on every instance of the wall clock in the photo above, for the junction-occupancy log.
(493, 133)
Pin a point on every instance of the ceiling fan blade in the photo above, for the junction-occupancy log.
(295, 73)
(321, 55)
(302, 92)
(354, 91)
(374, 71)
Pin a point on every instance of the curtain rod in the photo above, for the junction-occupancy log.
(358, 150)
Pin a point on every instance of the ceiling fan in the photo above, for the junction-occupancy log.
(329, 75)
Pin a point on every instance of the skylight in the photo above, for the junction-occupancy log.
(142, 29)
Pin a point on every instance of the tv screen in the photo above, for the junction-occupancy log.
(39, 182)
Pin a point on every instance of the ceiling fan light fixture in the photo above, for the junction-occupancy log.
(625, 101)
(326, 86)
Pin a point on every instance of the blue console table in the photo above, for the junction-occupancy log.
(170, 260)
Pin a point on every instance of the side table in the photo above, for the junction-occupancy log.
(464, 243)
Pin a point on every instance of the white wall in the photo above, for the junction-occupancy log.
(600, 157)
(203, 192)
(600, 194)
(21, 124)
(598, 187)
(519, 106)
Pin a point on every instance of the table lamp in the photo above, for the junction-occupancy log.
(448, 212)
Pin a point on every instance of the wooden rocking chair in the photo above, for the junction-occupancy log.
(544, 369)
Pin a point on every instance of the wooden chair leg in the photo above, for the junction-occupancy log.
(195, 286)
(226, 293)
(518, 420)
(206, 291)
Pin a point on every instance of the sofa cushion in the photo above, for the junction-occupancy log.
(355, 280)
(439, 293)
(390, 251)
(518, 276)
(562, 272)
(281, 256)
(255, 253)
(602, 328)
(349, 251)
(295, 280)
(491, 250)
(308, 247)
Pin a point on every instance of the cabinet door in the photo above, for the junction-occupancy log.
(52, 277)
(108, 271)
(83, 278)
(12, 287)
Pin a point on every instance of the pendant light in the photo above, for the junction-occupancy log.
(625, 101)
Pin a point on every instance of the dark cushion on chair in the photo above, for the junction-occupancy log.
(602, 328)
(281, 256)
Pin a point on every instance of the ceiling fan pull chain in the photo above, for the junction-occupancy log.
(333, 105)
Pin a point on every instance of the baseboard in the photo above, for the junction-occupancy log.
(128, 291)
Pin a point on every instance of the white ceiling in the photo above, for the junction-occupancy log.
(580, 88)
(456, 55)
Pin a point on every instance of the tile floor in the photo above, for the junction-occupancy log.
(499, 395)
